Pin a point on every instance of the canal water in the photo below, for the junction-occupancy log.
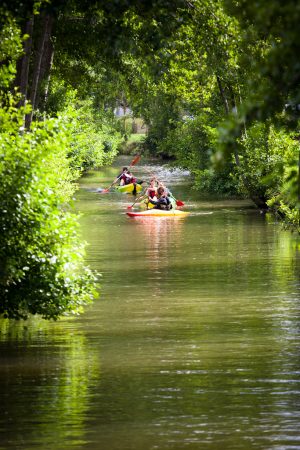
(193, 343)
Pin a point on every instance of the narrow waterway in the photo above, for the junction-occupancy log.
(193, 344)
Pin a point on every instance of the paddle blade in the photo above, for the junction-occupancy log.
(179, 203)
(104, 191)
(129, 207)
(135, 160)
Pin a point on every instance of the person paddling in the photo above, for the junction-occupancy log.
(163, 201)
(150, 192)
(121, 177)
(125, 177)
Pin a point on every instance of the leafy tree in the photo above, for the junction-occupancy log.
(93, 139)
(42, 268)
(10, 50)
(273, 87)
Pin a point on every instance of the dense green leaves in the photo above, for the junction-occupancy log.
(93, 136)
(10, 50)
(42, 269)
(233, 68)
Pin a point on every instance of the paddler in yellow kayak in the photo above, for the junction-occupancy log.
(125, 178)
(162, 199)
(150, 193)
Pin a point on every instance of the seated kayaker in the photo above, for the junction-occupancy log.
(166, 190)
(170, 195)
(150, 192)
(127, 178)
(162, 201)
(121, 178)
(130, 178)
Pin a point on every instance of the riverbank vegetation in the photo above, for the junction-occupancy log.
(222, 100)
(215, 82)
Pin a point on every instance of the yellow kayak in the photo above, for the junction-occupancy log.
(158, 213)
(145, 204)
(128, 188)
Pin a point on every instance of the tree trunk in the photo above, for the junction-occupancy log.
(223, 96)
(46, 64)
(234, 109)
(226, 106)
(46, 90)
(232, 98)
(240, 102)
(21, 81)
(47, 22)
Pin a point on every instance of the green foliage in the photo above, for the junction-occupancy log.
(93, 138)
(191, 142)
(42, 267)
(10, 50)
(275, 23)
(272, 97)
(181, 80)
(94, 135)
(162, 115)
(284, 197)
(217, 182)
(269, 168)
(260, 155)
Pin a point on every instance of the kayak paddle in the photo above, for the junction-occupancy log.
(133, 162)
(178, 202)
(136, 200)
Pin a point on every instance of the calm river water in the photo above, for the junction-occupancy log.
(193, 344)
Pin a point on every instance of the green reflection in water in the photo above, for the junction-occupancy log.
(200, 349)
(47, 370)
(198, 328)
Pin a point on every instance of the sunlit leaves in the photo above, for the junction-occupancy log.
(42, 269)
(10, 50)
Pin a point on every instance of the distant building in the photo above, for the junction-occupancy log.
(120, 111)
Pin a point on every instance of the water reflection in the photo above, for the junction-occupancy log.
(46, 374)
(161, 236)
(197, 329)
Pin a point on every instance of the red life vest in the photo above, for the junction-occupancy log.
(151, 192)
(124, 178)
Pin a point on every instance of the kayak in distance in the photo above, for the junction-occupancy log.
(129, 188)
(158, 213)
